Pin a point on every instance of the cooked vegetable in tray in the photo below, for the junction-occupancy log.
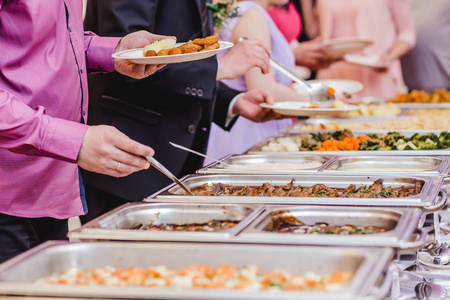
(213, 225)
(376, 190)
(284, 222)
(249, 277)
(345, 140)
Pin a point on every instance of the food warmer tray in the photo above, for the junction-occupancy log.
(400, 224)
(18, 275)
(417, 165)
(427, 199)
(296, 127)
(256, 149)
(259, 159)
(115, 224)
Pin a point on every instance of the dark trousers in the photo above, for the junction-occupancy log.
(99, 203)
(18, 235)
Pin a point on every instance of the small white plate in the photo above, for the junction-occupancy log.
(300, 109)
(136, 55)
(365, 60)
(341, 86)
(338, 47)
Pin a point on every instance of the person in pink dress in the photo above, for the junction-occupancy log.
(289, 22)
(387, 23)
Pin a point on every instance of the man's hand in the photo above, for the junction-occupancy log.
(308, 54)
(136, 39)
(242, 57)
(108, 151)
(248, 106)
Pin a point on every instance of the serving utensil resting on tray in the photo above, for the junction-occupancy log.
(157, 165)
(198, 153)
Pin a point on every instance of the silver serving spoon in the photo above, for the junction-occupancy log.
(319, 93)
(157, 165)
(430, 291)
(435, 253)
(198, 153)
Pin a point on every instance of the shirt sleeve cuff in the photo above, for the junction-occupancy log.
(230, 114)
(99, 53)
(63, 139)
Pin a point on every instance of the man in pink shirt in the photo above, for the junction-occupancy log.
(44, 140)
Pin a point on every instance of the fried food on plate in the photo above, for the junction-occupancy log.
(175, 51)
(163, 52)
(211, 47)
(159, 45)
(188, 49)
(207, 40)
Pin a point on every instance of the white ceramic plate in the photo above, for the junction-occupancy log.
(341, 86)
(365, 60)
(341, 46)
(299, 109)
(136, 55)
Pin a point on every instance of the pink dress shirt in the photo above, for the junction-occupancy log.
(43, 105)
(382, 21)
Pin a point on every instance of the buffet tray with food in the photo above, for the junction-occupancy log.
(170, 222)
(338, 225)
(268, 164)
(347, 226)
(358, 142)
(376, 190)
(194, 271)
(425, 165)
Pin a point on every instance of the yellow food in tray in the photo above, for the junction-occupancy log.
(441, 122)
(416, 96)
(375, 110)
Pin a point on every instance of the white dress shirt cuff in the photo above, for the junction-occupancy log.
(230, 114)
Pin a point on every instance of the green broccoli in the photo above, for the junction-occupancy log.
(444, 140)
(428, 144)
(430, 136)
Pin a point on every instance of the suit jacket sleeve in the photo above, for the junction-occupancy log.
(225, 95)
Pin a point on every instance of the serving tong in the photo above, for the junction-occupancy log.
(158, 166)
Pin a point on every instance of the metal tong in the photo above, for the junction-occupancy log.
(158, 166)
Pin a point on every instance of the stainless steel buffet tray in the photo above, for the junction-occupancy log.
(18, 275)
(113, 226)
(297, 126)
(400, 225)
(416, 165)
(256, 149)
(116, 224)
(427, 199)
(260, 159)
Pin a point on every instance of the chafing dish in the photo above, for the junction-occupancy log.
(116, 224)
(256, 149)
(400, 225)
(254, 164)
(426, 165)
(18, 275)
(427, 199)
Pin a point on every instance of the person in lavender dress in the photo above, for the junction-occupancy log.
(254, 22)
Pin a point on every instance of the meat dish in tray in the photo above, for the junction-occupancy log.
(376, 190)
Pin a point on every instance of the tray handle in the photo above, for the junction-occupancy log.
(383, 290)
(418, 242)
(437, 206)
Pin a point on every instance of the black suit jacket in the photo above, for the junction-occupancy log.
(176, 104)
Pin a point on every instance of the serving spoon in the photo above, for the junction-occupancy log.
(198, 153)
(435, 253)
(430, 291)
(320, 94)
